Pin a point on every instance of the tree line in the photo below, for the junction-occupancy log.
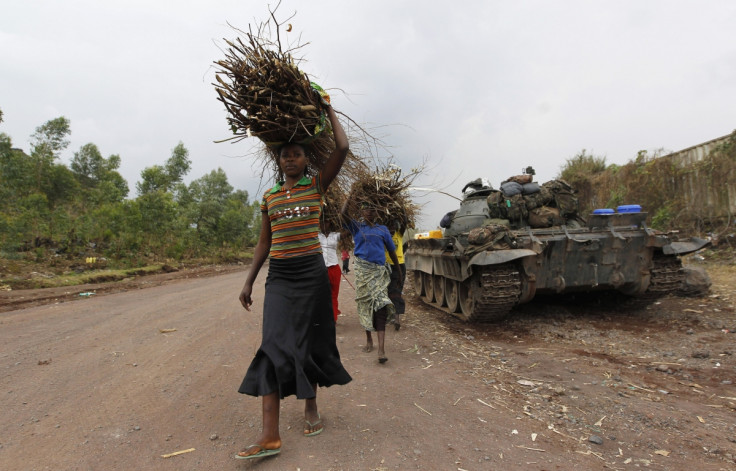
(84, 207)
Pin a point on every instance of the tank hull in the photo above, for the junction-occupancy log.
(483, 283)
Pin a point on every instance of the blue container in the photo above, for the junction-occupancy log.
(603, 211)
(629, 208)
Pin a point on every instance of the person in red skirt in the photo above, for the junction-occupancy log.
(345, 261)
(328, 240)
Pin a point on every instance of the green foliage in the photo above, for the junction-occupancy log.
(582, 165)
(618, 197)
(165, 177)
(98, 176)
(207, 198)
(662, 218)
(153, 179)
(51, 138)
(91, 168)
(178, 164)
(16, 173)
(677, 192)
(579, 172)
(82, 210)
(60, 186)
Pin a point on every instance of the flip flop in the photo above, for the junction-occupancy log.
(312, 425)
(261, 454)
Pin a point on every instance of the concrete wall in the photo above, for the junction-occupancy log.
(704, 197)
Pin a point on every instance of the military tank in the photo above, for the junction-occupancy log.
(503, 247)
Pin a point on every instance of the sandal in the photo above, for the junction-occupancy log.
(263, 452)
(311, 426)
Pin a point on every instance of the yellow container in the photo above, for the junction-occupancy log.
(435, 234)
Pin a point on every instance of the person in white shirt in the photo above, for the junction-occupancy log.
(328, 241)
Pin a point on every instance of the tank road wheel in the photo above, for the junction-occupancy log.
(452, 288)
(467, 292)
(438, 285)
(417, 282)
(428, 286)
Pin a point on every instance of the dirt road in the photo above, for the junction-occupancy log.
(115, 381)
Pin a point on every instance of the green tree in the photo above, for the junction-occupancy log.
(16, 182)
(159, 217)
(206, 200)
(47, 142)
(153, 179)
(89, 166)
(34, 185)
(164, 178)
(178, 164)
(98, 175)
(60, 186)
(16, 172)
(112, 189)
(51, 137)
(241, 222)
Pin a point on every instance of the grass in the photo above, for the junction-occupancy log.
(44, 269)
(44, 280)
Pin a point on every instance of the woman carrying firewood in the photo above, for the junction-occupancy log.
(372, 275)
(298, 349)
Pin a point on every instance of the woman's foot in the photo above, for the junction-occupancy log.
(259, 450)
(313, 427)
(368, 342)
(382, 356)
(313, 421)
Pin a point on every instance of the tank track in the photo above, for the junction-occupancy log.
(500, 292)
(666, 276)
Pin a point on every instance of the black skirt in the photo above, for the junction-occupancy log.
(298, 348)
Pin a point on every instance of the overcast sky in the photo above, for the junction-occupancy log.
(474, 88)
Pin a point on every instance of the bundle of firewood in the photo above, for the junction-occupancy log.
(386, 190)
(267, 96)
(331, 219)
(332, 203)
